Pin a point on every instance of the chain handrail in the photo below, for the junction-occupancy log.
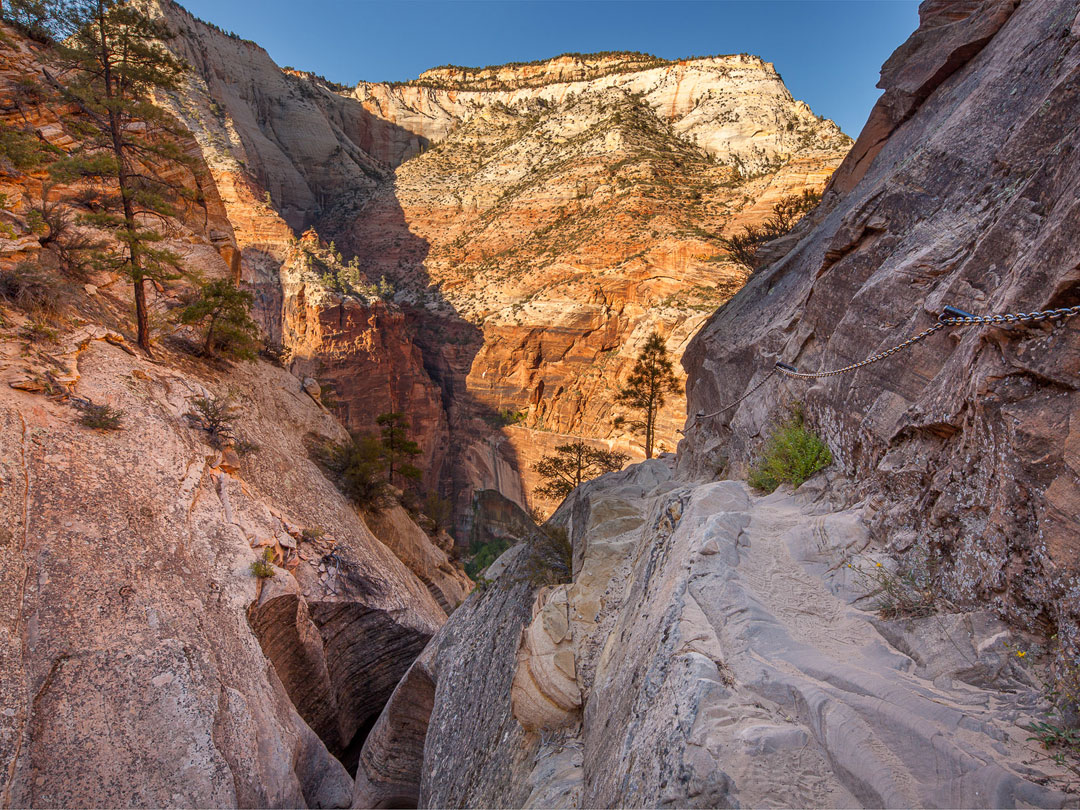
(950, 316)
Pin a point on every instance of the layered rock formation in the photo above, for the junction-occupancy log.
(143, 662)
(962, 191)
(568, 209)
(537, 222)
(714, 649)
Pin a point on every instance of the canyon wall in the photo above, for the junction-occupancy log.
(144, 662)
(534, 222)
(962, 191)
(568, 209)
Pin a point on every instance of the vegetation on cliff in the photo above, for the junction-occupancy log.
(742, 248)
(572, 465)
(111, 66)
(791, 454)
(651, 381)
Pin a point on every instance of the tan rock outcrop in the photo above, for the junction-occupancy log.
(545, 693)
(727, 654)
(142, 661)
(966, 437)
(447, 583)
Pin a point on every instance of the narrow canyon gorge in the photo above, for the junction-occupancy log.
(200, 608)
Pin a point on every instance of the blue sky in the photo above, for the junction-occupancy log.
(828, 51)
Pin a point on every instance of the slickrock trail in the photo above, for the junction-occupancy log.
(718, 649)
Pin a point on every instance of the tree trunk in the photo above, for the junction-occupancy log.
(142, 317)
(209, 343)
(650, 420)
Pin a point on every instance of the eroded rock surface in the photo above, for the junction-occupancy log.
(727, 654)
(968, 439)
(131, 675)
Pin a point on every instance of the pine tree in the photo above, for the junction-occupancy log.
(572, 465)
(650, 381)
(111, 67)
(224, 310)
(397, 447)
(37, 19)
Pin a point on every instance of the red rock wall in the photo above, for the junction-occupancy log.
(367, 355)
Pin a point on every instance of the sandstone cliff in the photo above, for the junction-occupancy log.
(536, 222)
(565, 221)
(143, 663)
(961, 191)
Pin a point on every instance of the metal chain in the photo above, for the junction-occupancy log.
(1064, 312)
(805, 375)
(950, 317)
(764, 380)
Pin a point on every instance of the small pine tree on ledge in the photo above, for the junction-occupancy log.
(574, 464)
(224, 311)
(651, 380)
(398, 448)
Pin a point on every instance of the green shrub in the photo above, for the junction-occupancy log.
(551, 557)
(24, 149)
(356, 467)
(906, 592)
(742, 248)
(791, 455)
(481, 555)
(100, 417)
(263, 568)
(224, 311)
(504, 417)
(214, 415)
(30, 289)
(38, 332)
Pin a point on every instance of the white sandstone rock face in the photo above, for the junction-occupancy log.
(545, 692)
(726, 656)
(758, 118)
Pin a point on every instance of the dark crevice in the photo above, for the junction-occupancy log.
(338, 662)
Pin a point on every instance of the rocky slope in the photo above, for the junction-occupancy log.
(536, 222)
(714, 649)
(143, 663)
(962, 191)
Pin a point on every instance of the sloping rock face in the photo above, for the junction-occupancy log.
(142, 662)
(300, 142)
(962, 191)
(131, 676)
(714, 649)
(447, 583)
(448, 737)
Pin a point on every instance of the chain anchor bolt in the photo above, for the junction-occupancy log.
(953, 312)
